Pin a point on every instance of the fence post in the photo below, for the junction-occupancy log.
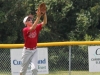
(69, 60)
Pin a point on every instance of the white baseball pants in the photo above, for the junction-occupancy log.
(29, 57)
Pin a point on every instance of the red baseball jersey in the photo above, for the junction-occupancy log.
(30, 38)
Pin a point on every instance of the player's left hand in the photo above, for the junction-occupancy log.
(42, 8)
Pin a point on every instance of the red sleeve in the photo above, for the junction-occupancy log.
(39, 27)
(25, 32)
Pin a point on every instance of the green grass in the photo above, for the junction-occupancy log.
(5, 73)
(73, 73)
(63, 73)
(84, 73)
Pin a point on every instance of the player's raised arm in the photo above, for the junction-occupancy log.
(42, 8)
(44, 20)
(36, 21)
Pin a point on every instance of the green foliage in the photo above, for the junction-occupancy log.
(83, 22)
(88, 37)
(67, 19)
(95, 14)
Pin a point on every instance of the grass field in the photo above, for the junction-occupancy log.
(63, 73)
(73, 73)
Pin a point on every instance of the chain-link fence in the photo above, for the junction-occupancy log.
(58, 61)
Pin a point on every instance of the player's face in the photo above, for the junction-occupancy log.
(29, 21)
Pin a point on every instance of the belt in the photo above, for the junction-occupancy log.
(30, 48)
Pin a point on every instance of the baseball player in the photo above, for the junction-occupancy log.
(30, 34)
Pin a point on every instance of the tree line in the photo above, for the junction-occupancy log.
(68, 20)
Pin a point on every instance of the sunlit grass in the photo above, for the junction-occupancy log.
(73, 73)
(63, 73)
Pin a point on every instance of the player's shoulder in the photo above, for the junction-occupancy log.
(39, 25)
(26, 28)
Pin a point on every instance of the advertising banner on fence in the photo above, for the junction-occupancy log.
(94, 58)
(16, 61)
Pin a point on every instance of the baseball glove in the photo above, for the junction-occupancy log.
(42, 8)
